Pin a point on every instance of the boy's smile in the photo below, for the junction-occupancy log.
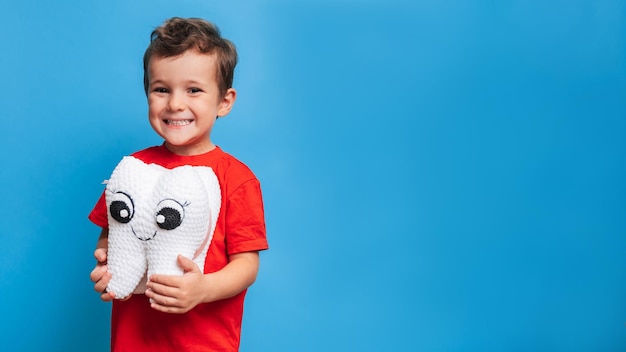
(178, 122)
(184, 101)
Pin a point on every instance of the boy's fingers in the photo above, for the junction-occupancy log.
(93, 276)
(187, 264)
(100, 254)
(102, 282)
(97, 273)
(107, 296)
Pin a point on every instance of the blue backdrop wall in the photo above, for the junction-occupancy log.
(438, 175)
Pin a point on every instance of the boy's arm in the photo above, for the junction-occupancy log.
(239, 274)
(99, 274)
(179, 294)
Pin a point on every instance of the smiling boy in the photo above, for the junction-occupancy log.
(188, 74)
(184, 100)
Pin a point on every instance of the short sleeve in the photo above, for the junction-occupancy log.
(245, 221)
(99, 213)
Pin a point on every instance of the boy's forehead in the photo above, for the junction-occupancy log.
(190, 61)
(188, 53)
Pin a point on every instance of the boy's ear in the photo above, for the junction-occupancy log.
(227, 102)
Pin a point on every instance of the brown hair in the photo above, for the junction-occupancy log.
(177, 35)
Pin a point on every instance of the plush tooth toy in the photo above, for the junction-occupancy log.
(154, 215)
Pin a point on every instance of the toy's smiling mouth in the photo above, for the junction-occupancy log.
(142, 238)
(178, 122)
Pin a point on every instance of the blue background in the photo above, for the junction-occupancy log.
(438, 175)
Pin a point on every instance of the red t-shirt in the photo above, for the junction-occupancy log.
(240, 228)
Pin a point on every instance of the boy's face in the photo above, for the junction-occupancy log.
(184, 101)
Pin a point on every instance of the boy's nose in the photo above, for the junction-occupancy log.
(176, 103)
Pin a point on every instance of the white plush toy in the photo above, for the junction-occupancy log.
(154, 215)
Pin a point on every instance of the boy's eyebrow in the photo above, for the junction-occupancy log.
(193, 81)
(187, 82)
(156, 81)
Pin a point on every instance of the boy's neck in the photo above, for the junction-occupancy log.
(190, 151)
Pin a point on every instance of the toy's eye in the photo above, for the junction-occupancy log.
(169, 214)
(122, 207)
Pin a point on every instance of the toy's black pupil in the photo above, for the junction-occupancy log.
(168, 218)
(120, 211)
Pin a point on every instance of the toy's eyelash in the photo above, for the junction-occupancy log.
(170, 214)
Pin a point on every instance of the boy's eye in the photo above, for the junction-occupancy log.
(195, 90)
(160, 90)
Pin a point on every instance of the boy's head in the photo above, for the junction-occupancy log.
(178, 35)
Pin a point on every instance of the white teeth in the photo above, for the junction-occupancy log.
(178, 122)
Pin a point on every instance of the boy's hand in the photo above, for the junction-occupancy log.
(100, 276)
(179, 294)
(175, 293)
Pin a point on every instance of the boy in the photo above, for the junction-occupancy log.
(188, 75)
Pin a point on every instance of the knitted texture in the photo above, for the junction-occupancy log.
(154, 215)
